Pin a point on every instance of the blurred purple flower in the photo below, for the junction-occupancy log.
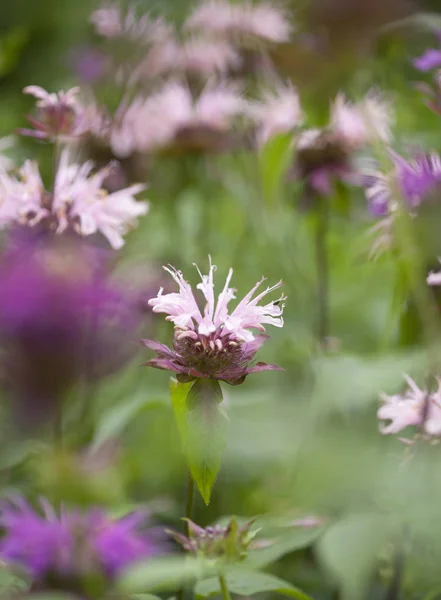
(431, 59)
(62, 320)
(62, 551)
(213, 344)
(89, 64)
(415, 180)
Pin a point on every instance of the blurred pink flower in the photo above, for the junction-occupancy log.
(214, 343)
(196, 56)
(206, 57)
(22, 197)
(434, 278)
(60, 114)
(279, 111)
(111, 22)
(80, 200)
(171, 116)
(362, 122)
(107, 20)
(414, 407)
(247, 21)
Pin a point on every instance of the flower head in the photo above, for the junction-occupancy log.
(172, 120)
(219, 543)
(245, 22)
(321, 158)
(414, 179)
(278, 112)
(415, 406)
(58, 114)
(204, 57)
(78, 202)
(111, 22)
(61, 551)
(363, 122)
(213, 343)
(431, 59)
(81, 202)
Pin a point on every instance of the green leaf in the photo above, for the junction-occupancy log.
(203, 426)
(275, 159)
(178, 393)
(207, 430)
(9, 582)
(247, 583)
(301, 538)
(11, 47)
(120, 416)
(167, 573)
(350, 550)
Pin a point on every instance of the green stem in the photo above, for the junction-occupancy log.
(190, 499)
(322, 263)
(393, 592)
(188, 514)
(225, 593)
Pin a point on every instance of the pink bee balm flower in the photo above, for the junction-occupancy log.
(278, 112)
(414, 407)
(363, 122)
(109, 21)
(247, 21)
(58, 114)
(172, 119)
(214, 343)
(79, 199)
(204, 57)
